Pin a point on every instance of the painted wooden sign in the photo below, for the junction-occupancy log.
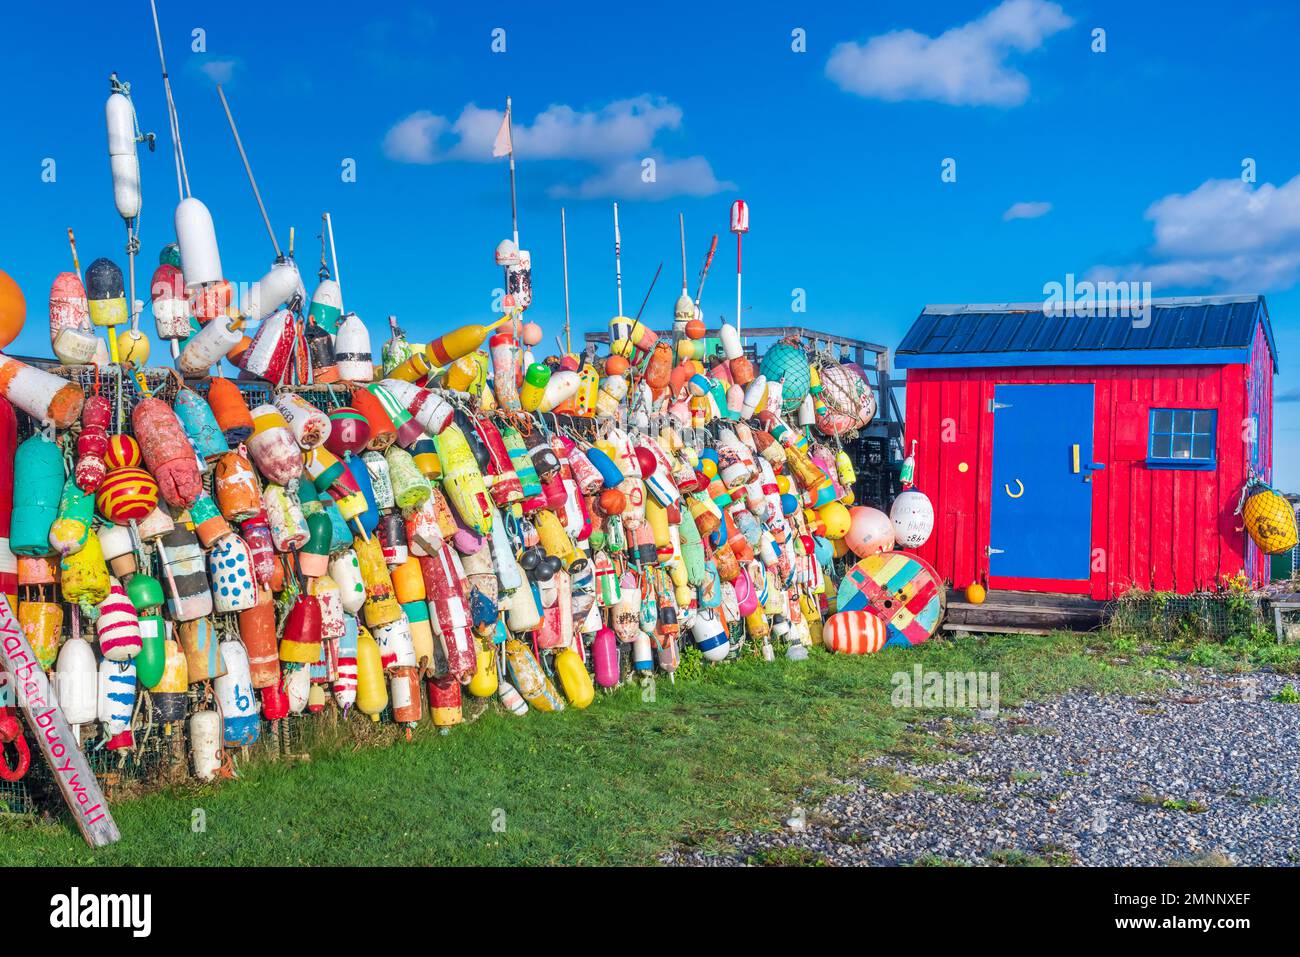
(39, 704)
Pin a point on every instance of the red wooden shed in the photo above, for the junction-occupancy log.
(1091, 454)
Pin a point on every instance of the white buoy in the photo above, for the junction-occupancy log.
(205, 744)
(120, 117)
(197, 238)
(209, 346)
(281, 283)
(78, 681)
(352, 350)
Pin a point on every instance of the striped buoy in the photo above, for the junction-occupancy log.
(118, 625)
(349, 431)
(126, 495)
(854, 633)
(123, 452)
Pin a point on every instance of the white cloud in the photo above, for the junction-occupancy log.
(1225, 234)
(624, 180)
(561, 132)
(614, 139)
(1226, 216)
(415, 139)
(963, 66)
(617, 130)
(219, 71)
(1026, 211)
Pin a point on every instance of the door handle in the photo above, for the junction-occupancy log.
(1074, 458)
(1010, 494)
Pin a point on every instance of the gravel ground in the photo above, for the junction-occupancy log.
(1207, 772)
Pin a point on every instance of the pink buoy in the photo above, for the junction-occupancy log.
(870, 531)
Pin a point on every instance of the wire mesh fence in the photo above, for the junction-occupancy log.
(1206, 616)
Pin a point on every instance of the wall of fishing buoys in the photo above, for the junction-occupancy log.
(467, 518)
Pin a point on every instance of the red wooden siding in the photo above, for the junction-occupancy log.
(1259, 409)
(1163, 529)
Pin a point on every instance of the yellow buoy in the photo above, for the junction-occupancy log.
(372, 690)
(975, 593)
(1270, 520)
(484, 682)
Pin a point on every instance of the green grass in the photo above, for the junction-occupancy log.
(615, 784)
(1288, 695)
(1046, 857)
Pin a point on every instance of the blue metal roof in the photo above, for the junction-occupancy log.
(1184, 331)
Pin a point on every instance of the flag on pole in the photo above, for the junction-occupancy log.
(503, 144)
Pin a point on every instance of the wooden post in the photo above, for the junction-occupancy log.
(46, 723)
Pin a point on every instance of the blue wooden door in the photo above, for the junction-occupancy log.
(1040, 522)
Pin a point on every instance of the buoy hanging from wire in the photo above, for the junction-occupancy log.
(739, 226)
(123, 136)
(195, 234)
(327, 301)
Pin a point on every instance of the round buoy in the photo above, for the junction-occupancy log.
(870, 531)
(13, 310)
(787, 364)
(913, 518)
(854, 633)
(849, 402)
(975, 593)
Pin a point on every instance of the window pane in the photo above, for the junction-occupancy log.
(1182, 446)
(1201, 447)
(1163, 421)
(1204, 423)
(1160, 447)
(1183, 421)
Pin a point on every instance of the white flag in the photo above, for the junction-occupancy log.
(503, 144)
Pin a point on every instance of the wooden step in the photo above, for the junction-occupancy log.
(1025, 612)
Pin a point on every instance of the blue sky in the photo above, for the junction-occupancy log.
(1124, 163)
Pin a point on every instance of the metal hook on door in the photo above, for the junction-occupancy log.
(1011, 494)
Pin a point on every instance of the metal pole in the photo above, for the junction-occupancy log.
(249, 169)
(618, 264)
(329, 228)
(514, 205)
(738, 235)
(564, 248)
(173, 118)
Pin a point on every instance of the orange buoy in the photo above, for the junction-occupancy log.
(975, 593)
(13, 310)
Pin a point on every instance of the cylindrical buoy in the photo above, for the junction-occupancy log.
(352, 354)
(78, 684)
(239, 711)
(280, 285)
(372, 690)
(43, 396)
(197, 238)
(205, 744)
(120, 116)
